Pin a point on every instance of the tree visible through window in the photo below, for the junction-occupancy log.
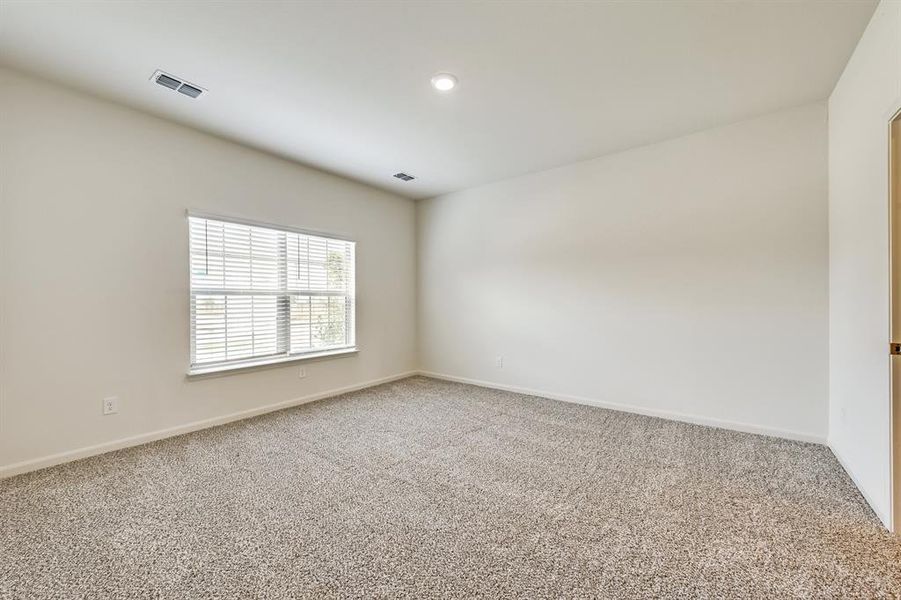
(261, 293)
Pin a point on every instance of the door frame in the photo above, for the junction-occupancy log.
(894, 194)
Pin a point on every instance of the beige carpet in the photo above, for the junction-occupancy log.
(423, 488)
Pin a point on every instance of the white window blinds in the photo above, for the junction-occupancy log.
(260, 294)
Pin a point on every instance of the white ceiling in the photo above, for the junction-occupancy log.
(344, 86)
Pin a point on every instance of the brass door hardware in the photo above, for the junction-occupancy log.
(894, 348)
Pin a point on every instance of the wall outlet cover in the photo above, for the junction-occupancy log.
(110, 405)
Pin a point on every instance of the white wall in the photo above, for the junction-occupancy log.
(94, 270)
(860, 108)
(686, 278)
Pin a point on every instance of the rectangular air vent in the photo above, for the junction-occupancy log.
(167, 81)
(404, 177)
(177, 84)
(190, 90)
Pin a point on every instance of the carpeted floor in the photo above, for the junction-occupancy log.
(422, 488)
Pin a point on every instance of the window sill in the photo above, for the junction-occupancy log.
(252, 365)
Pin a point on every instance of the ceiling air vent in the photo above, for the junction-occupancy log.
(168, 81)
(404, 177)
(177, 84)
(190, 90)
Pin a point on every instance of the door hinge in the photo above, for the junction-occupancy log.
(894, 348)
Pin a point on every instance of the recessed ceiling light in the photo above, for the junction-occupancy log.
(444, 82)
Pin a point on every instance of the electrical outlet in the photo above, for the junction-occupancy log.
(499, 361)
(110, 405)
(302, 372)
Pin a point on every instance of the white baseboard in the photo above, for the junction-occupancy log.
(886, 519)
(630, 408)
(144, 438)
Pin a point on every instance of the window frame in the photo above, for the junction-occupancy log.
(272, 360)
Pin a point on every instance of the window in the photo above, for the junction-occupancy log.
(261, 294)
